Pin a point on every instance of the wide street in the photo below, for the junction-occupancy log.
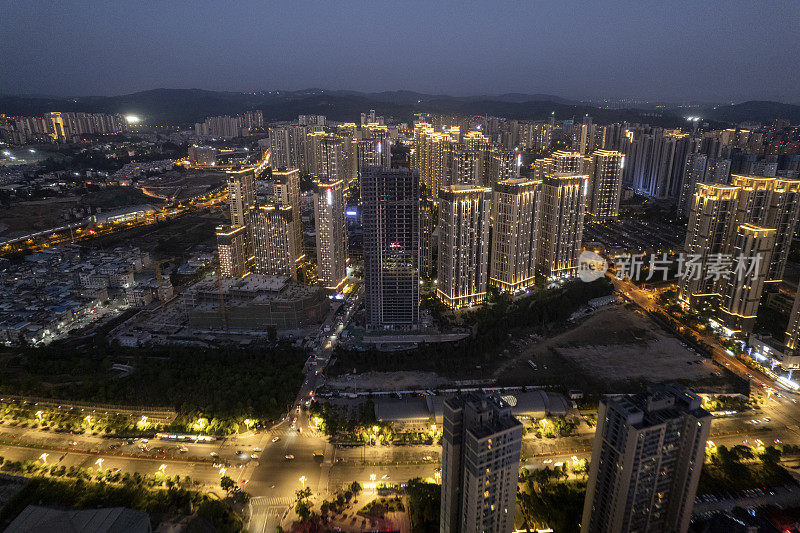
(272, 464)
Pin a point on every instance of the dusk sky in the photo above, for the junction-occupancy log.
(698, 50)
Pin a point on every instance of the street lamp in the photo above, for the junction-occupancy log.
(43, 457)
(162, 468)
(99, 463)
(302, 481)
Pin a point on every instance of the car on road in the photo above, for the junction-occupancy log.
(288, 457)
(275, 439)
(214, 454)
(257, 449)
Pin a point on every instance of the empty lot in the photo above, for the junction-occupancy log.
(615, 349)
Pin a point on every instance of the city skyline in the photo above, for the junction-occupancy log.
(540, 275)
(691, 51)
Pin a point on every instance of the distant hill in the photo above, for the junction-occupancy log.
(185, 106)
(753, 111)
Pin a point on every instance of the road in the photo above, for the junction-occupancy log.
(273, 464)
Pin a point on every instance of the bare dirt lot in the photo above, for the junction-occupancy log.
(614, 348)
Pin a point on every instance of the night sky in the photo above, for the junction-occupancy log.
(675, 50)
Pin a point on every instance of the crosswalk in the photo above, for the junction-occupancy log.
(260, 502)
(266, 513)
(283, 433)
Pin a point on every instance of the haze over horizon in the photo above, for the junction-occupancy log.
(681, 51)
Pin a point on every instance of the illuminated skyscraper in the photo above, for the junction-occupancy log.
(286, 186)
(331, 229)
(560, 161)
(431, 156)
(55, 126)
(242, 201)
(792, 339)
(500, 165)
(784, 211)
(515, 232)
(375, 148)
(753, 200)
(750, 220)
(769, 203)
(288, 147)
(563, 206)
(241, 194)
(465, 166)
(463, 244)
(326, 154)
(481, 446)
(646, 461)
(605, 173)
(233, 255)
(274, 247)
(390, 217)
(741, 292)
(711, 214)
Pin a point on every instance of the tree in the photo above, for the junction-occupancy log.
(303, 509)
(355, 488)
(424, 501)
(303, 494)
(770, 458)
(227, 483)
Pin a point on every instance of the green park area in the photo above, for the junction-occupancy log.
(219, 391)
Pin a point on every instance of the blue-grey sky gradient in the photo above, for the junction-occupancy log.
(700, 50)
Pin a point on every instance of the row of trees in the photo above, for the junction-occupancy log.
(742, 467)
(226, 387)
(79, 493)
(328, 509)
(424, 504)
(550, 499)
(363, 426)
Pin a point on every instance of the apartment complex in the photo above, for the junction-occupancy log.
(463, 244)
(646, 460)
(331, 229)
(481, 446)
